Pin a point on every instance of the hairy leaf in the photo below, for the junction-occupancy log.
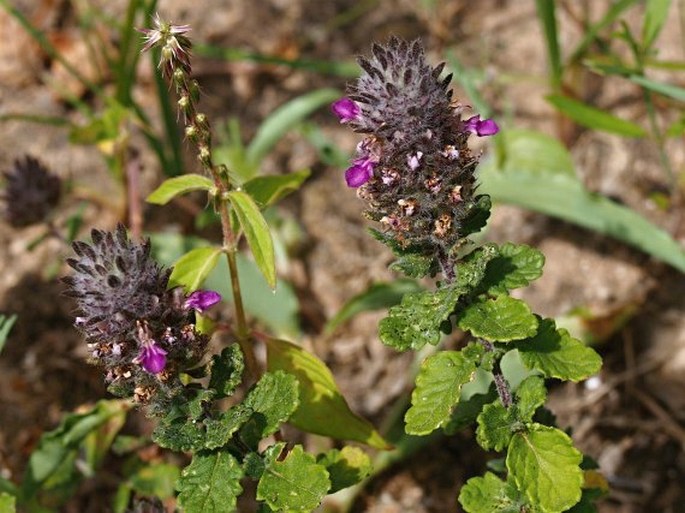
(172, 187)
(514, 267)
(227, 370)
(220, 431)
(414, 266)
(295, 483)
(467, 411)
(556, 354)
(192, 268)
(322, 408)
(496, 426)
(545, 467)
(502, 319)
(346, 467)
(437, 392)
(489, 494)
(530, 395)
(210, 484)
(257, 234)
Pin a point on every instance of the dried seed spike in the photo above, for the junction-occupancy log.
(446, 81)
(97, 236)
(122, 236)
(379, 53)
(368, 67)
(416, 50)
(437, 70)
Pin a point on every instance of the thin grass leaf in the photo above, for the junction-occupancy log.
(656, 12)
(595, 118)
(677, 93)
(6, 324)
(547, 14)
(284, 118)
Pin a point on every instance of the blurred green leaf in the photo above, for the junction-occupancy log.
(283, 119)
(267, 190)
(292, 484)
(7, 503)
(547, 15)
(6, 324)
(346, 467)
(594, 118)
(656, 12)
(378, 296)
(210, 484)
(191, 270)
(438, 389)
(677, 93)
(172, 187)
(534, 171)
(322, 410)
(257, 234)
(155, 479)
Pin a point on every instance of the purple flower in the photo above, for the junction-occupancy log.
(481, 127)
(360, 172)
(152, 358)
(345, 109)
(201, 300)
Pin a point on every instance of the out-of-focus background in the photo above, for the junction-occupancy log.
(612, 279)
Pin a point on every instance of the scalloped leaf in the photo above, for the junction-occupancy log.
(556, 354)
(416, 321)
(546, 468)
(257, 234)
(322, 408)
(267, 190)
(227, 371)
(516, 266)
(172, 187)
(191, 270)
(220, 431)
(530, 395)
(496, 426)
(294, 483)
(210, 484)
(489, 494)
(438, 389)
(414, 265)
(346, 467)
(502, 319)
(467, 411)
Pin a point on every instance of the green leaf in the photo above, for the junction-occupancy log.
(416, 321)
(210, 484)
(294, 483)
(496, 426)
(656, 13)
(437, 392)
(530, 395)
(502, 319)
(221, 430)
(322, 409)
(257, 234)
(675, 92)
(346, 467)
(191, 270)
(283, 119)
(547, 15)
(267, 190)
(545, 467)
(476, 215)
(515, 266)
(272, 400)
(172, 187)
(157, 479)
(590, 33)
(556, 354)
(592, 117)
(377, 296)
(535, 171)
(467, 411)
(6, 324)
(7, 503)
(489, 494)
(227, 370)
(414, 265)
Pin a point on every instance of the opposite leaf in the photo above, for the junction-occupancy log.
(437, 392)
(322, 408)
(346, 467)
(516, 266)
(192, 268)
(293, 484)
(173, 187)
(556, 354)
(496, 426)
(272, 400)
(489, 494)
(546, 467)
(502, 319)
(530, 395)
(210, 484)
(227, 370)
(257, 234)
(266, 190)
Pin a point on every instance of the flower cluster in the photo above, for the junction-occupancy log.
(31, 192)
(414, 169)
(140, 332)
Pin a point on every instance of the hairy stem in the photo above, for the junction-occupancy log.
(503, 390)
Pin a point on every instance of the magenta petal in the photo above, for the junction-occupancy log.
(201, 300)
(345, 109)
(359, 173)
(487, 127)
(152, 358)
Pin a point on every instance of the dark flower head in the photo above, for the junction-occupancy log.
(31, 192)
(138, 330)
